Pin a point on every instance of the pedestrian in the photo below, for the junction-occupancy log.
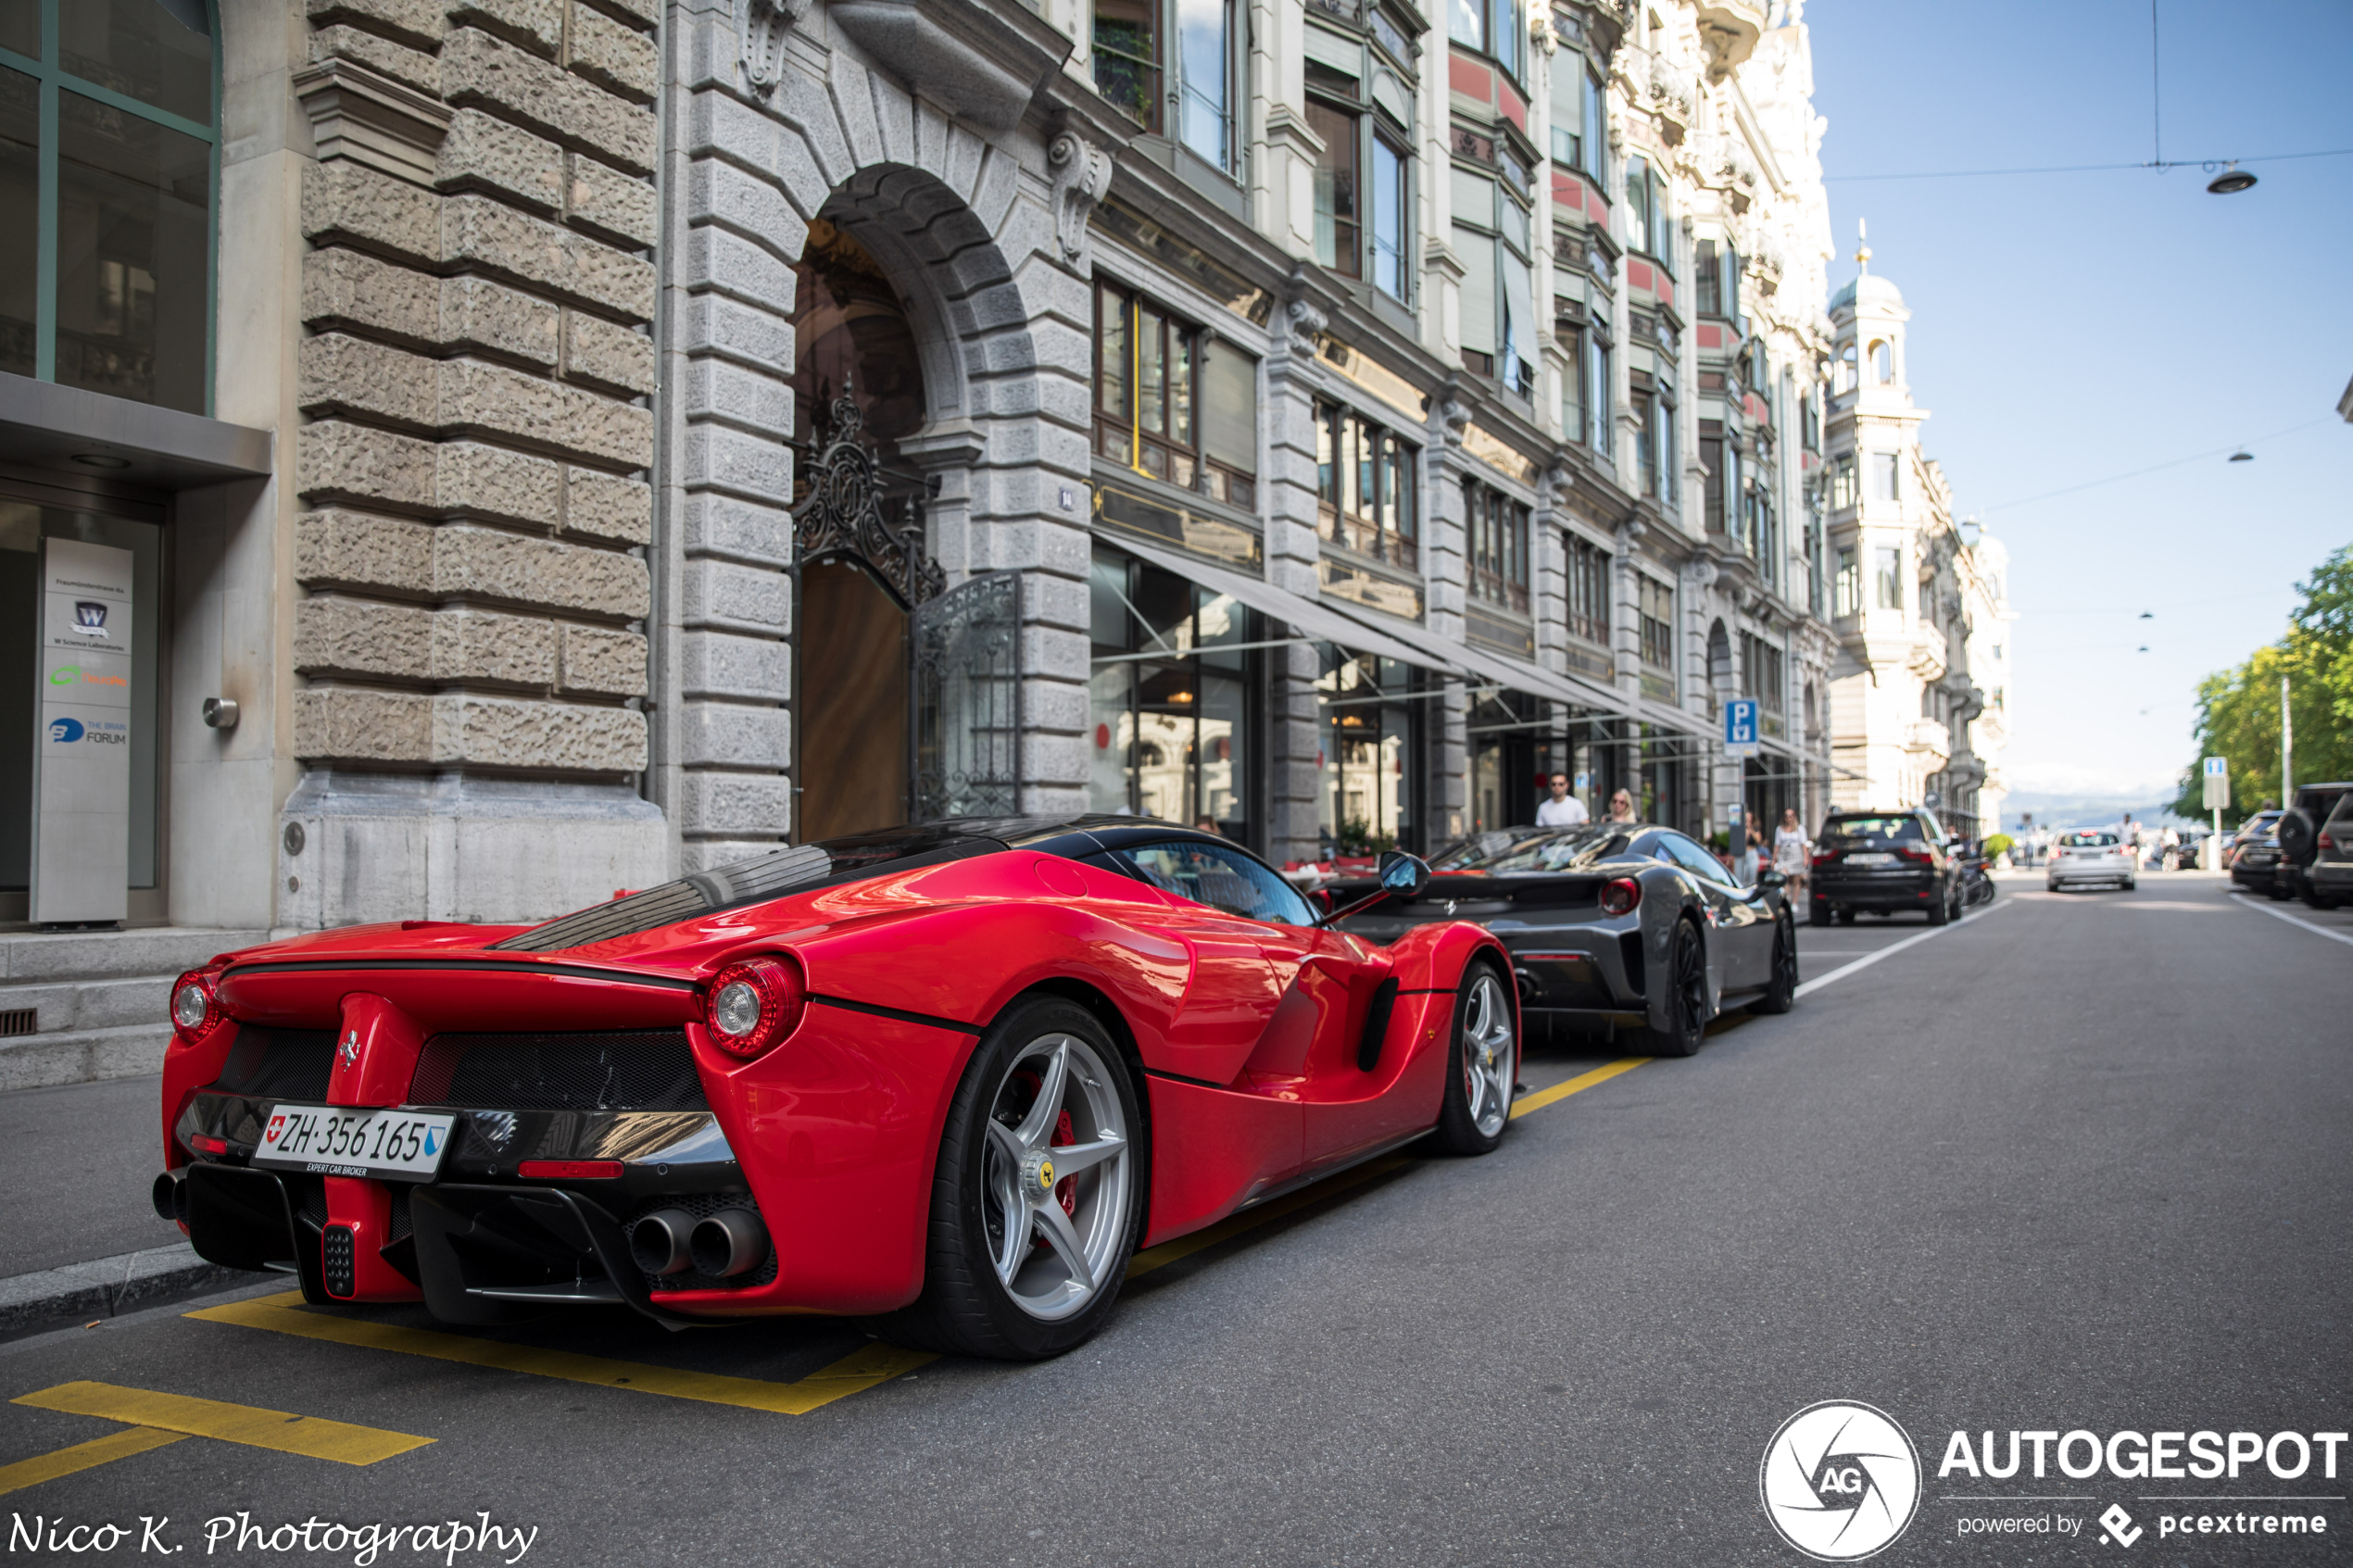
(1621, 808)
(2169, 849)
(1792, 854)
(1207, 824)
(1564, 809)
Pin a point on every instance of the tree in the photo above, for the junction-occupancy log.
(2239, 708)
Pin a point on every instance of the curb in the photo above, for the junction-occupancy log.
(107, 1287)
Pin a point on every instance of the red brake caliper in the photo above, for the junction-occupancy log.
(1065, 1190)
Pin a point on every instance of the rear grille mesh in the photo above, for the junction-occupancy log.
(285, 1063)
(620, 1069)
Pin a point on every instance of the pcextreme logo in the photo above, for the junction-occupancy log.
(1840, 1480)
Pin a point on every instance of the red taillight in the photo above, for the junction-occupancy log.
(205, 1143)
(1826, 858)
(752, 1006)
(1620, 895)
(1921, 856)
(194, 1008)
(569, 1169)
(2327, 843)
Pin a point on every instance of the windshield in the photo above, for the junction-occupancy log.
(1533, 850)
(1876, 829)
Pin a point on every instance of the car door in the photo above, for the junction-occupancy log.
(1740, 944)
(1307, 1055)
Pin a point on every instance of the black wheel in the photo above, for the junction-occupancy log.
(1847, 917)
(1038, 1195)
(1819, 914)
(1481, 1067)
(1686, 997)
(2278, 891)
(1940, 912)
(1780, 992)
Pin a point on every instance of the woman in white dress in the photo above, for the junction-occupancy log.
(1792, 852)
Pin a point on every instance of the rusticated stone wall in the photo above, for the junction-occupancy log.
(475, 374)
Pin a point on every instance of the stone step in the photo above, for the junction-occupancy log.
(167, 950)
(82, 1056)
(112, 1003)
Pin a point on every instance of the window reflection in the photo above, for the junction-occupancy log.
(1369, 751)
(156, 51)
(1169, 699)
(133, 269)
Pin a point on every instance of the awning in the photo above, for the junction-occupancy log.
(1309, 616)
(45, 425)
(1501, 669)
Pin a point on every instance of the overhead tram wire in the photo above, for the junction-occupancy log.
(2157, 467)
(2090, 168)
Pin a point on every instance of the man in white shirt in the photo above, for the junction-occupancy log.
(1564, 809)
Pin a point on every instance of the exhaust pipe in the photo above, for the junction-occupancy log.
(169, 1195)
(658, 1242)
(728, 1244)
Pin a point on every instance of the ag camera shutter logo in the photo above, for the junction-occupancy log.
(1840, 1480)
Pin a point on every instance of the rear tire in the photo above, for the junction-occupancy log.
(1780, 992)
(1940, 912)
(1819, 915)
(1482, 1065)
(1002, 1275)
(1686, 998)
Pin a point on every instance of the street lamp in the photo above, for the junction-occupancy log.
(2231, 182)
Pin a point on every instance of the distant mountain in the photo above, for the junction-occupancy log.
(2066, 810)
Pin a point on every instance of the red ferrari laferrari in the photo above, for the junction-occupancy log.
(946, 1077)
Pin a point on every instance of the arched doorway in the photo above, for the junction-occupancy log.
(856, 390)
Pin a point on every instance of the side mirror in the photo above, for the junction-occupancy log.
(1771, 878)
(1402, 875)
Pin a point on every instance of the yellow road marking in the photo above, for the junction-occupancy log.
(249, 1425)
(83, 1456)
(859, 1370)
(1528, 1104)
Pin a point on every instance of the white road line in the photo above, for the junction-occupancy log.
(1808, 988)
(2245, 903)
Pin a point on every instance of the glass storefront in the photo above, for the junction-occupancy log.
(1369, 764)
(1171, 700)
(1505, 756)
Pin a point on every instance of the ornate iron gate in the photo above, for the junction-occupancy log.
(966, 669)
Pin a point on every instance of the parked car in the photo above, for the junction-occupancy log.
(2328, 881)
(2090, 856)
(2247, 832)
(945, 1078)
(1883, 862)
(1610, 920)
(2254, 856)
(2298, 833)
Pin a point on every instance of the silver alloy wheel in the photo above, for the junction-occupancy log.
(1489, 1061)
(1023, 1171)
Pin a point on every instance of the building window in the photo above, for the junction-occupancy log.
(1173, 403)
(1588, 566)
(1369, 751)
(1572, 341)
(1126, 56)
(1809, 435)
(1491, 26)
(1577, 136)
(1498, 540)
(1493, 237)
(1848, 585)
(1392, 201)
(1654, 456)
(1882, 364)
(1761, 672)
(1842, 483)
(1171, 698)
(1717, 280)
(1711, 457)
(1597, 398)
(106, 198)
(1884, 484)
(1366, 489)
(1843, 372)
(1890, 580)
(1655, 606)
(1127, 69)
(1338, 242)
(1649, 227)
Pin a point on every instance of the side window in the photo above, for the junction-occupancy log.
(1693, 858)
(1223, 879)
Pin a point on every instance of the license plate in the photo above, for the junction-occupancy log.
(1871, 858)
(331, 1140)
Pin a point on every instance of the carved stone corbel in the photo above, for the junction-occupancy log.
(1082, 178)
(765, 26)
(1452, 407)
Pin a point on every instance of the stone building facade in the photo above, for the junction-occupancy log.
(1920, 690)
(627, 433)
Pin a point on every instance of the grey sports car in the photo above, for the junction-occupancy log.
(1610, 922)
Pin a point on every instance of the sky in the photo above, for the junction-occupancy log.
(2069, 328)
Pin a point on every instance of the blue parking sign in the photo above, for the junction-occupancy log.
(1739, 727)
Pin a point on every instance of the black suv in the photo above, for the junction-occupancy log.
(1884, 862)
(2299, 833)
(2328, 881)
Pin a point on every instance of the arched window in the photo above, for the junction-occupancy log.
(1882, 363)
(1843, 373)
(849, 327)
(108, 151)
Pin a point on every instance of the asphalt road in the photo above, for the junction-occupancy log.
(2079, 1162)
